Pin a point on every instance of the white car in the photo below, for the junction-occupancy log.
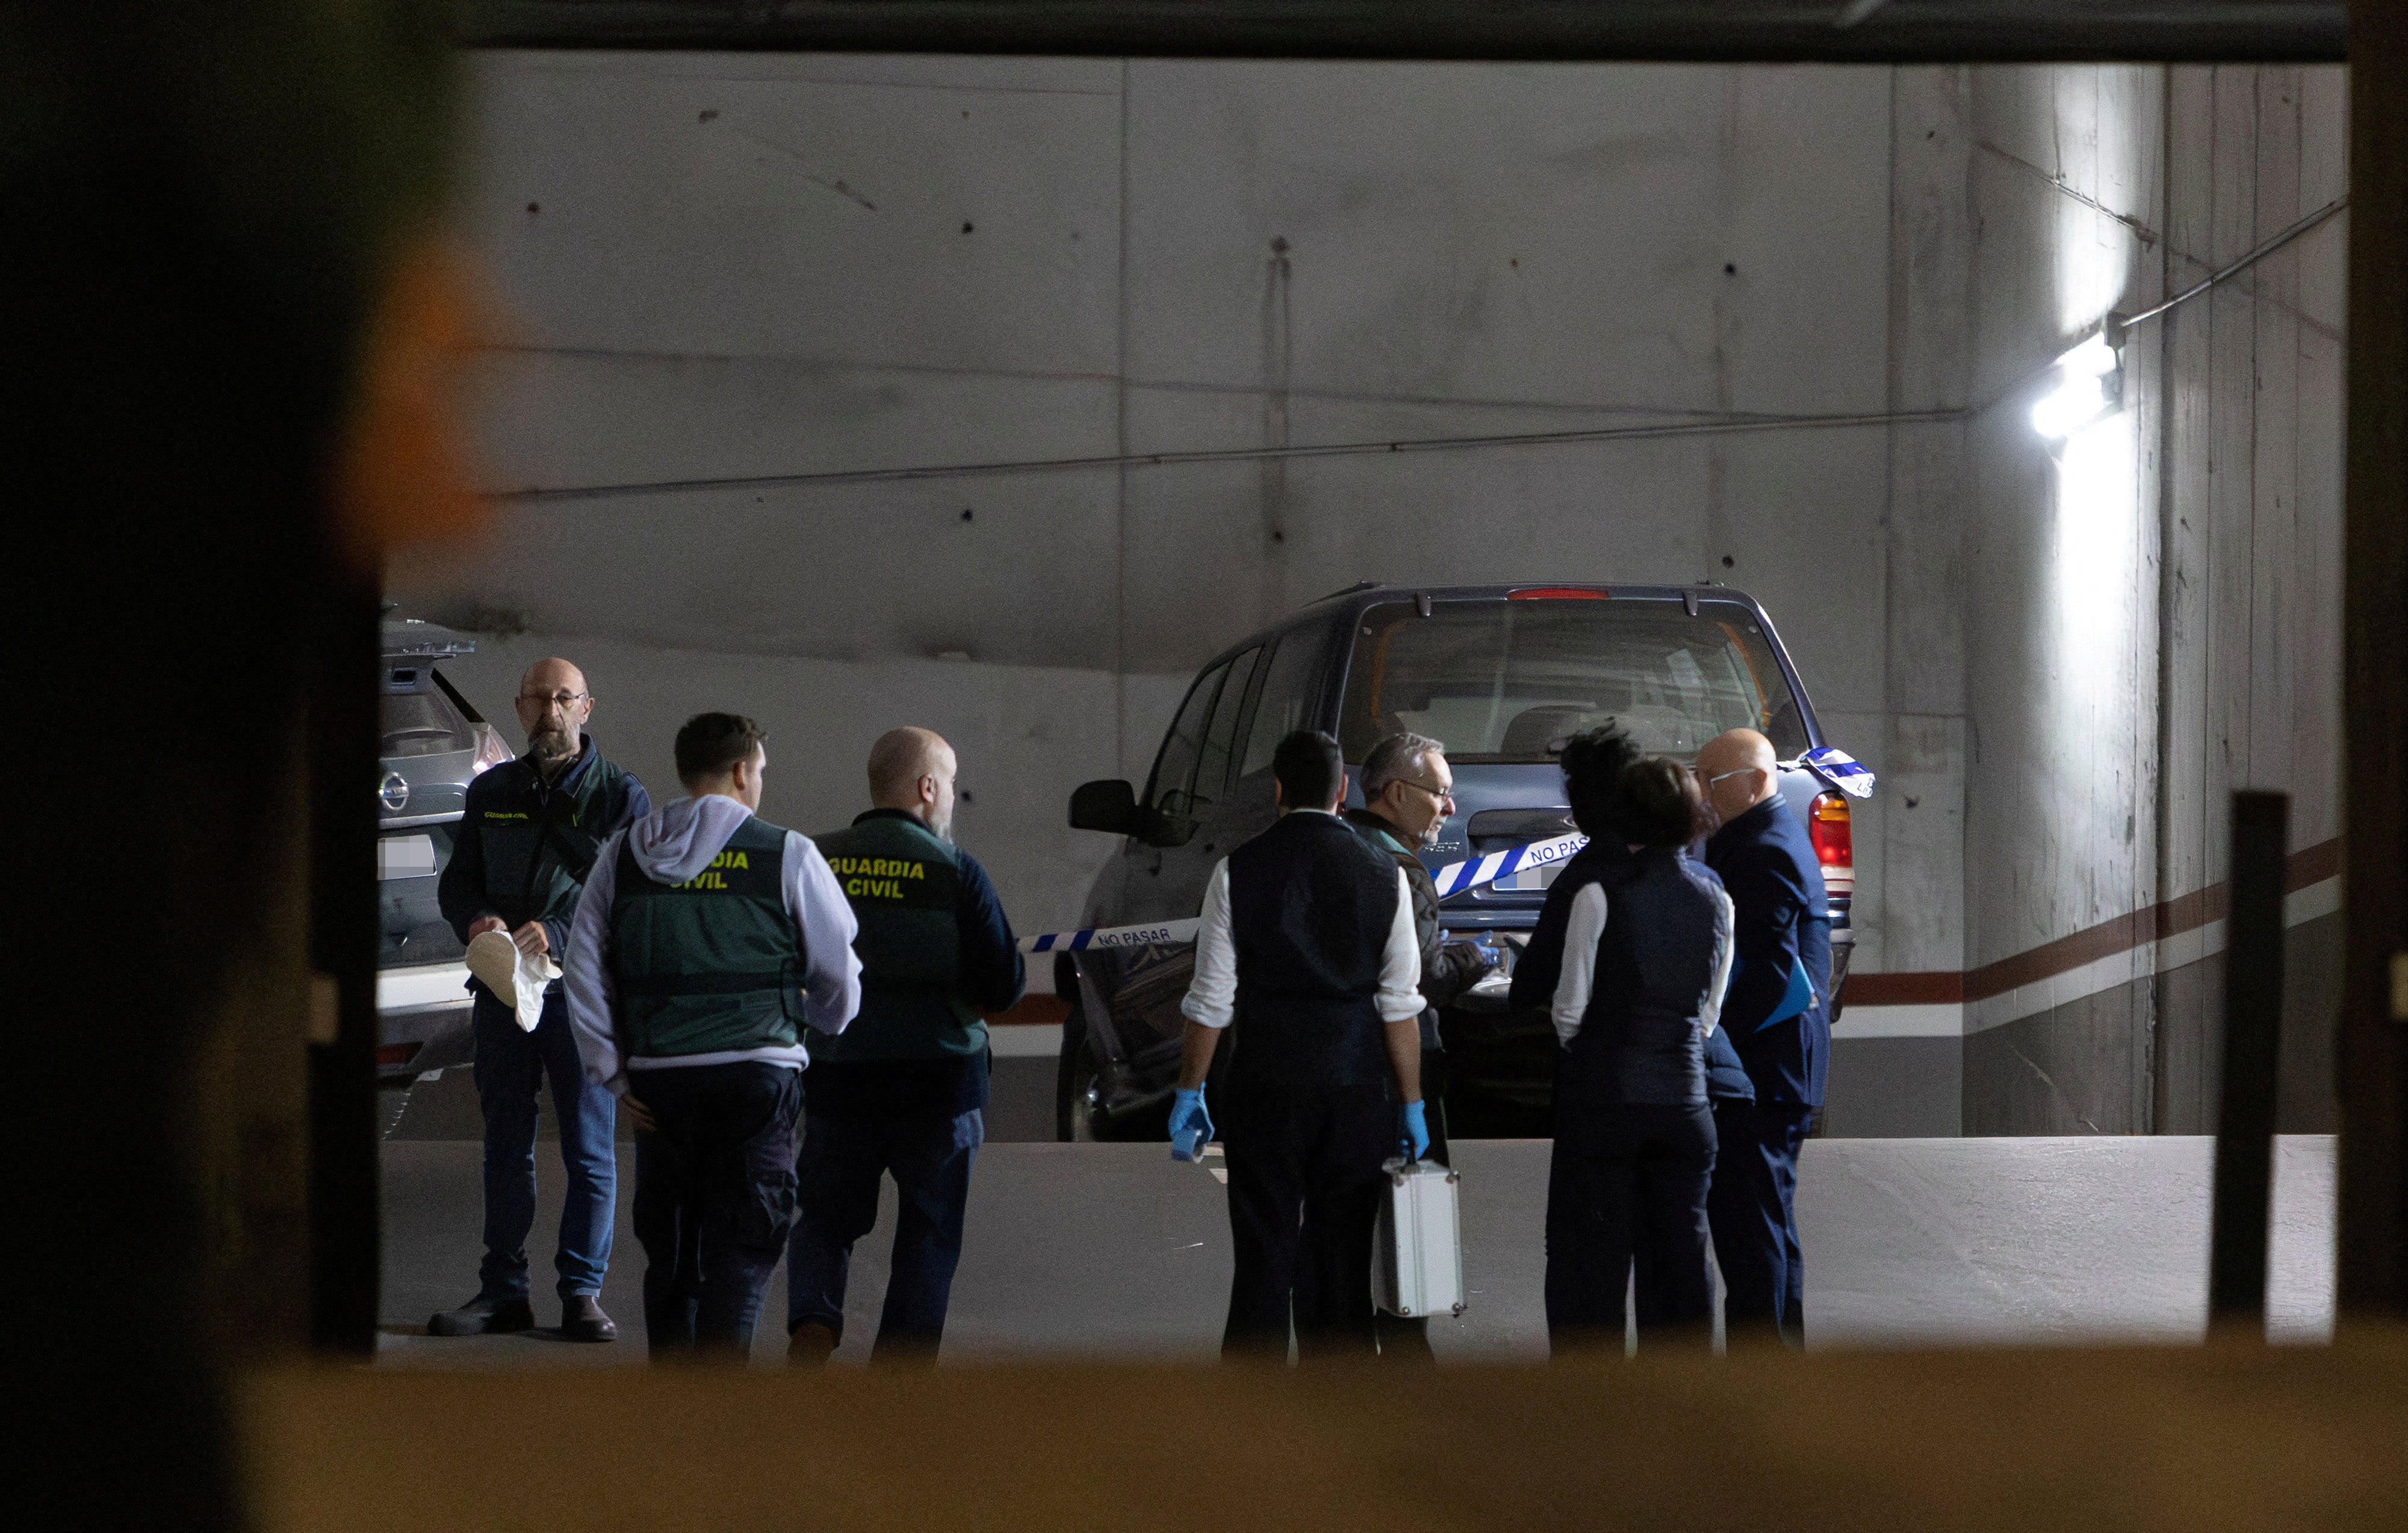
(434, 742)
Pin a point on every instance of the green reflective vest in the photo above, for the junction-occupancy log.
(711, 964)
(905, 886)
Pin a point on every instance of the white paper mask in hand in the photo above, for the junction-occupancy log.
(516, 979)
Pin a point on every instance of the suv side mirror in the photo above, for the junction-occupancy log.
(1108, 805)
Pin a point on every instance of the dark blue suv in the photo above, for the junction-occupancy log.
(1502, 675)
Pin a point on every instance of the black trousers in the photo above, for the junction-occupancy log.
(1399, 1340)
(714, 1201)
(1627, 1193)
(1753, 1209)
(1297, 1162)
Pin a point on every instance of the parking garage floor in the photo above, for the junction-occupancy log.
(1114, 1251)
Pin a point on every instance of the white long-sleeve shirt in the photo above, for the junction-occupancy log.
(1212, 995)
(1578, 976)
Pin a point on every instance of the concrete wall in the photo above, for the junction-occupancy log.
(2151, 616)
(2058, 662)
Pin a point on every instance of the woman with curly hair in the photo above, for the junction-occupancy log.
(1629, 958)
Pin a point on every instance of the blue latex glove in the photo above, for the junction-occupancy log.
(1191, 1127)
(1412, 1126)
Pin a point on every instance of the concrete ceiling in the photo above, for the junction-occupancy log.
(1836, 31)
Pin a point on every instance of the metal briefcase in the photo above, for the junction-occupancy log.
(1417, 1254)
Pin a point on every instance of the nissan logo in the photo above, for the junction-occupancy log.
(393, 793)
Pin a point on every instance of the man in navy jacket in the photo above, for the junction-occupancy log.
(520, 858)
(1777, 1015)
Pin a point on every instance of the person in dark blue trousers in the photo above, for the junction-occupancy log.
(1630, 959)
(903, 1092)
(708, 944)
(1728, 1091)
(520, 858)
(1777, 1014)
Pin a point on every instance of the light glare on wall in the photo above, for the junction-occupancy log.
(2087, 383)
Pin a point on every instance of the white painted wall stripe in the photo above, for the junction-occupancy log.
(1025, 1040)
(1914, 1021)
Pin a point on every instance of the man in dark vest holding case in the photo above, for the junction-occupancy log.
(903, 1092)
(1408, 792)
(520, 858)
(706, 939)
(1307, 944)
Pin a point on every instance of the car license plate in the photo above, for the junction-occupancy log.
(1530, 881)
(406, 857)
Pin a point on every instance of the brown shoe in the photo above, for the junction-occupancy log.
(581, 1320)
(811, 1344)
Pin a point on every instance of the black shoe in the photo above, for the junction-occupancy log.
(809, 1344)
(581, 1320)
(482, 1316)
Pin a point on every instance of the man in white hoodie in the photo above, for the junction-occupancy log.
(706, 935)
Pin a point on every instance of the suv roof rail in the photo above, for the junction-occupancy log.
(1358, 586)
(415, 638)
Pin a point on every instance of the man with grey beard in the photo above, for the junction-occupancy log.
(520, 858)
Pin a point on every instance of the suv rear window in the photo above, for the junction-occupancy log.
(1508, 680)
(422, 724)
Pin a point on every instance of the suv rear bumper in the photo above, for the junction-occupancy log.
(422, 1021)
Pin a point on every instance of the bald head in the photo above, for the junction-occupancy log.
(1737, 769)
(912, 770)
(554, 706)
(552, 675)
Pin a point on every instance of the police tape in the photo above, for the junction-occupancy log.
(1452, 879)
(1841, 770)
(1158, 934)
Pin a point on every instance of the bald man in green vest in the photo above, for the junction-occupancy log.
(904, 1091)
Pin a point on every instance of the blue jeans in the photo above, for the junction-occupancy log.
(836, 1191)
(511, 1069)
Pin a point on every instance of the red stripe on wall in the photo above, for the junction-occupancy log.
(1031, 1011)
(1929, 988)
(2168, 918)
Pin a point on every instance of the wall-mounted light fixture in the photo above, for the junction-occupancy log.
(2085, 384)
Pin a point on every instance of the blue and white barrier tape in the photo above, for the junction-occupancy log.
(1840, 769)
(1159, 933)
(1453, 879)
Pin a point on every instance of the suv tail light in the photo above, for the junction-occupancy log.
(1833, 846)
(492, 749)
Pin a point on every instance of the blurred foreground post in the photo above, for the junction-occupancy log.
(2372, 1055)
(2253, 1025)
(203, 206)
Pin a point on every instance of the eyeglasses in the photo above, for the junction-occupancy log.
(1705, 781)
(547, 701)
(1444, 795)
